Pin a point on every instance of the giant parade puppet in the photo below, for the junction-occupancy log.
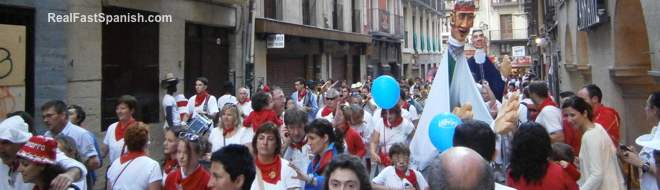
(453, 88)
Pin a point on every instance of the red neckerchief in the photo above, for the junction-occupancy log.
(130, 156)
(322, 161)
(299, 145)
(170, 164)
(546, 102)
(409, 175)
(199, 99)
(198, 179)
(405, 105)
(327, 111)
(302, 94)
(246, 100)
(226, 131)
(257, 118)
(270, 172)
(121, 128)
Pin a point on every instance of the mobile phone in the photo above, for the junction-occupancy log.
(624, 147)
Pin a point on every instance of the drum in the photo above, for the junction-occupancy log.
(200, 124)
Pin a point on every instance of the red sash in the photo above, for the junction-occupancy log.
(409, 175)
(130, 156)
(199, 99)
(121, 128)
(327, 111)
(199, 179)
(270, 173)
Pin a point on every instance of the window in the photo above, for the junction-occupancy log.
(270, 9)
(506, 27)
(306, 12)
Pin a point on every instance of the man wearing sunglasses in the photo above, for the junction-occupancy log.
(331, 101)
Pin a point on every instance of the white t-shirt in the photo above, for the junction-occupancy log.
(366, 128)
(169, 101)
(300, 158)
(246, 108)
(286, 180)
(243, 135)
(330, 117)
(211, 105)
(224, 99)
(114, 146)
(389, 179)
(390, 136)
(550, 118)
(138, 175)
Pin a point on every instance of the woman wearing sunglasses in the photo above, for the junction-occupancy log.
(229, 130)
(190, 175)
(273, 172)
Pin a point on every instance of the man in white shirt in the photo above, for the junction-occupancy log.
(13, 135)
(549, 114)
(56, 119)
(295, 148)
(244, 102)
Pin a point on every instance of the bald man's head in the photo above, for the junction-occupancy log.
(460, 168)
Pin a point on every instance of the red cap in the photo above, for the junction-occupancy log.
(39, 149)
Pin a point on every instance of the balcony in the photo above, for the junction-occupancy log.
(591, 13)
(384, 23)
(506, 3)
(508, 35)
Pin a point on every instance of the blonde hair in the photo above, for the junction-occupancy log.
(234, 111)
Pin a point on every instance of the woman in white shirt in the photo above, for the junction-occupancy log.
(273, 172)
(599, 165)
(229, 131)
(389, 128)
(114, 136)
(135, 170)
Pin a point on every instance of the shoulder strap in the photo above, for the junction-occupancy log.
(206, 103)
(121, 172)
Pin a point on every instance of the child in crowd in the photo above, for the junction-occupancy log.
(563, 155)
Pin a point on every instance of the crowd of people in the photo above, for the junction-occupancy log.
(330, 136)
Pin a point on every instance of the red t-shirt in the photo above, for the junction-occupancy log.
(610, 120)
(555, 178)
(199, 179)
(354, 143)
(572, 136)
(257, 118)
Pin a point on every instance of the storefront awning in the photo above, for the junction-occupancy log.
(264, 25)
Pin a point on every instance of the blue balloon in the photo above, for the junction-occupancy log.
(441, 130)
(385, 91)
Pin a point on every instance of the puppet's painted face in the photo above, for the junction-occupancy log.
(478, 40)
(461, 22)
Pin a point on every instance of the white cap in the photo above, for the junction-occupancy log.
(14, 129)
(649, 140)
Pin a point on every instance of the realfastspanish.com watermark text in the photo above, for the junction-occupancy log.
(107, 18)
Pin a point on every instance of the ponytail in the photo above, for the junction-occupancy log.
(322, 127)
